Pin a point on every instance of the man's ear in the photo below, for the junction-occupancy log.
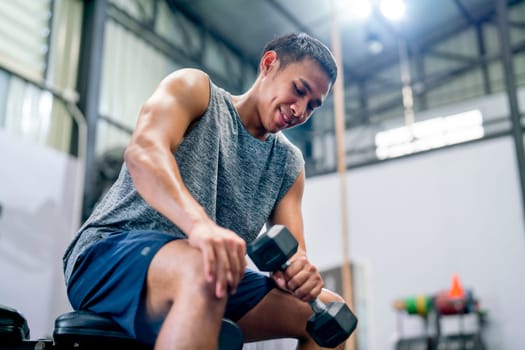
(268, 60)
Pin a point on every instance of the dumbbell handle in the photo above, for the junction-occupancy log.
(317, 305)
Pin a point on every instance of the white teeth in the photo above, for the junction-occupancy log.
(285, 118)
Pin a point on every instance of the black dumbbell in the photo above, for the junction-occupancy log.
(331, 324)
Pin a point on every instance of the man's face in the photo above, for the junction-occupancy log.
(291, 94)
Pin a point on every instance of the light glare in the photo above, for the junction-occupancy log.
(393, 9)
(355, 9)
(429, 134)
(360, 9)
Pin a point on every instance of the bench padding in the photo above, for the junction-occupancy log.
(13, 326)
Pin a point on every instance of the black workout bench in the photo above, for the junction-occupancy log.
(87, 330)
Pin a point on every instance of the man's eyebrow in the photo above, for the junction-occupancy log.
(309, 88)
(306, 85)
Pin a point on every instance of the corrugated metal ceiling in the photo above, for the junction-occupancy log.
(248, 24)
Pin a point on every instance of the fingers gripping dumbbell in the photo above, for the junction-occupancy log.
(330, 324)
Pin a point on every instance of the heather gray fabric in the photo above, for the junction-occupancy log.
(237, 178)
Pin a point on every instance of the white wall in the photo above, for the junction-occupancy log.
(38, 189)
(416, 221)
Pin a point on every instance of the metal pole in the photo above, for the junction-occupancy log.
(408, 96)
(339, 115)
(89, 81)
(510, 83)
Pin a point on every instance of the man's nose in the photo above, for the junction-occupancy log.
(298, 109)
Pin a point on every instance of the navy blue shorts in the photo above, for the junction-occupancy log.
(109, 279)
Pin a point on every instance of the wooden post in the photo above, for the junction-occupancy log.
(339, 115)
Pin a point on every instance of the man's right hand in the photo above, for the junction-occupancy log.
(224, 254)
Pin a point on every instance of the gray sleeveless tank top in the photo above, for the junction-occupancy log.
(237, 178)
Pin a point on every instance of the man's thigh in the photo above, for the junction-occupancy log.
(109, 277)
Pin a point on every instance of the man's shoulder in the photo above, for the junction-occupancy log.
(189, 78)
(288, 147)
(188, 88)
(284, 141)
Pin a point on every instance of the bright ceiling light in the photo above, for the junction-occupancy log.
(393, 9)
(360, 8)
(355, 9)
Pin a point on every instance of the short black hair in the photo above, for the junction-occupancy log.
(296, 47)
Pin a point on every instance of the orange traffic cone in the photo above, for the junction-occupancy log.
(456, 290)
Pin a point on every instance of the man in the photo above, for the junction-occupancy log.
(164, 252)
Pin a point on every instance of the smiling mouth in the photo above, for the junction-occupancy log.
(286, 121)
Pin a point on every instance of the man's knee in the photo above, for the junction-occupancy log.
(175, 272)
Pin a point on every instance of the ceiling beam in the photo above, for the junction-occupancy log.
(464, 12)
(517, 24)
(452, 56)
(375, 66)
(177, 7)
(289, 16)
